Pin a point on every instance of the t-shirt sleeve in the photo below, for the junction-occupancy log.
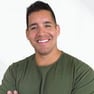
(83, 80)
(8, 82)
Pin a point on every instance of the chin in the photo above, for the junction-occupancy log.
(43, 52)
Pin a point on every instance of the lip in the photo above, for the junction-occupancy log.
(43, 41)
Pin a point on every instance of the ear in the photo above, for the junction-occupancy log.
(27, 34)
(58, 29)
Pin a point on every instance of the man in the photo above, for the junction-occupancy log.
(49, 70)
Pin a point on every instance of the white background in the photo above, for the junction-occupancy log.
(76, 20)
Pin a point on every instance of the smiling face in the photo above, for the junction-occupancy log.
(42, 32)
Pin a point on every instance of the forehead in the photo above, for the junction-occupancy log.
(42, 15)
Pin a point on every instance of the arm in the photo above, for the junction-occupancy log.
(10, 92)
(83, 80)
(9, 81)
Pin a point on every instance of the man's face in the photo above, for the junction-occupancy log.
(42, 32)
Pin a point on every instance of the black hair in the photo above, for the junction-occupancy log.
(37, 6)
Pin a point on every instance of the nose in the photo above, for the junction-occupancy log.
(41, 31)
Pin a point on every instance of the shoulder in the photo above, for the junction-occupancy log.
(75, 62)
(24, 61)
(21, 65)
(83, 75)
(80, 69)
(17, 69)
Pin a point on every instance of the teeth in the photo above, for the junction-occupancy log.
(42, 41)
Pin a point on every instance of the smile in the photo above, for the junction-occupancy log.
(43, 41)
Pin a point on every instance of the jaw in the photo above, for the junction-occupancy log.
(45, 49)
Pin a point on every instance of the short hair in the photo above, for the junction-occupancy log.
(37, 6)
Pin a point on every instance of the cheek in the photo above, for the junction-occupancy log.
(54, 34)
(31, 36)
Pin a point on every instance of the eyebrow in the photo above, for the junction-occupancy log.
(32, 24)
(47, 22)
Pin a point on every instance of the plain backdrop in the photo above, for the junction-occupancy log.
(76, 20)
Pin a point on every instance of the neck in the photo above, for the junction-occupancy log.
(48, 59)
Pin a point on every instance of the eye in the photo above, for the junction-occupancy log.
(47, 25)
(33, 27)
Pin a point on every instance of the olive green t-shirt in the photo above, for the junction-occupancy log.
(67, 75)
